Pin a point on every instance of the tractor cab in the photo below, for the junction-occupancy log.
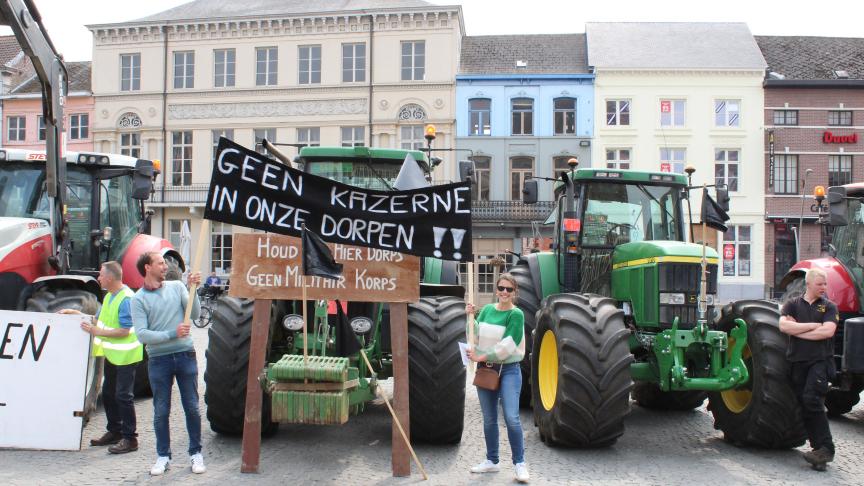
(368, 168)
(846, 214)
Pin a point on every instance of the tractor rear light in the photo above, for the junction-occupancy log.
(292, 322)
(571, 224)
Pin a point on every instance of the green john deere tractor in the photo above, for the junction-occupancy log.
(436, 323)
(614, 309)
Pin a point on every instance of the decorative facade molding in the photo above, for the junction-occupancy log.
(267, 109)
(412, 111)
(128, 121)
(324, 24)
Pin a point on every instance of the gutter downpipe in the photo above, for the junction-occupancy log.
(164, 120)
(371, 50)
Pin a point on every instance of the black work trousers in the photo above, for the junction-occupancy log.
(118, 393)
(810, 384)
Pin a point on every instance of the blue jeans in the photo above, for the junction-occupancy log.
(508, 392)
(163, 370)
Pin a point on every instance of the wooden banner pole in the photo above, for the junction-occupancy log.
(470, 317)
(199, 255)
(250, 451)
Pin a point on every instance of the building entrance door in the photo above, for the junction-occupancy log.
(784, 252)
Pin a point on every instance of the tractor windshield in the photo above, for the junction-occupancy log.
(618, 213)
(21, 191)
(366, 173)
(848, 241)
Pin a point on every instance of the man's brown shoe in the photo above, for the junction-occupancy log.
(107, 438)
(124, 446)
(818, 458)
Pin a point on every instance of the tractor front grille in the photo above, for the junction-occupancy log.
(684, 278)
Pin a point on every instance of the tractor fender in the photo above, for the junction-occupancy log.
(841, 288)
(82, 282)
(142, 244)
(544, 273)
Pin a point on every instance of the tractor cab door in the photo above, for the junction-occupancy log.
(120, 212)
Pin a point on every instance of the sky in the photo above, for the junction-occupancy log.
(65, 20)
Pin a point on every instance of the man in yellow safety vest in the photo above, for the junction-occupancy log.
(115, 339)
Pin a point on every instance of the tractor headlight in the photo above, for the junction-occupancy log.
(361, 325)
(675, 299)
(292, 322)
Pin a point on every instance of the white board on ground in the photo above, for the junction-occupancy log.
(43, 376)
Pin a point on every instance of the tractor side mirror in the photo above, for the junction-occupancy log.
(466, 170)
(142, 179)
(723, 198)
(837, 206)
(529, 192)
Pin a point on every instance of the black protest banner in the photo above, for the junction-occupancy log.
(248, 189)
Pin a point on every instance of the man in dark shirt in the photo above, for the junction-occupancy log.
(810, 321)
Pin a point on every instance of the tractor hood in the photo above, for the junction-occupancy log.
(642, 252)
(15, 231)
(25, 245)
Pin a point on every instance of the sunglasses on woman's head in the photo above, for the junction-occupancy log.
(502, 288)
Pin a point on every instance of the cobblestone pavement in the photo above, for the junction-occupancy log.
(658, 448)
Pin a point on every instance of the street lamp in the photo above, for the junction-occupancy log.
(801, 217)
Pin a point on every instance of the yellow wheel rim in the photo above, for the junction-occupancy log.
(738, 400)
(547, 370)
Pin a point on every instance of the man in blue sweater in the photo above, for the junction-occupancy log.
(157, 313)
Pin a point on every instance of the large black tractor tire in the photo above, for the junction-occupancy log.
(528, 301)
(764, 411)
(436, 376)
(227, 368)
(581, 370)
(53, 300)
(649, 395)
(839, 402)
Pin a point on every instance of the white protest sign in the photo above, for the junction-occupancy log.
(43, 376)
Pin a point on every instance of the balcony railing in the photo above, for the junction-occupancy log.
(510, 211)
(171, 195)
(482, 211)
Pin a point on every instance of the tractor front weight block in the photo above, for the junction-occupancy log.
(727, 368)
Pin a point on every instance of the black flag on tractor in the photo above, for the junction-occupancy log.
(713, 215)
(348, 343)
(317, 259)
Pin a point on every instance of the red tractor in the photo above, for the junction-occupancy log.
(845, 269)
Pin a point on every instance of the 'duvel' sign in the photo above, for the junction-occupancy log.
(269, 267)
(248, 189)
(43, 377)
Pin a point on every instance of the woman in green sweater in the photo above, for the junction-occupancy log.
(500, 341)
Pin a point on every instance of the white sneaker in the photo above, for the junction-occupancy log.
(198, 466)
(161, 465)
(485, 467)
(522, 472)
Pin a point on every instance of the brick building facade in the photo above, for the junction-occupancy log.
(814, 136)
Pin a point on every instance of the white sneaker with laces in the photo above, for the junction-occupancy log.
(522, 472)
(486, 467)
(161, 465)
(198, 466)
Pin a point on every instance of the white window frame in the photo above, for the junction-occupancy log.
(221, 132)
(354, 62)
(841, 163)
(40, 128)
(130, 76)
(308, 65)
(676, 157)
(618, 114)
(221, 246)
(785, 174)
(519, 175)
(130, 144)
(181, 158)
(184, 69)
(726, 161)
(676, 117)
(311, 136)
(79, 126)
(224, 69)
(482, 125)
(175, 228)
(258, 134)
(562, 113)
(353, 136)
(18, 128)
(413, 63)
(268, 67)
(481, 189)
(616, 158)
(523, 115)
(785, 117)
(738, 267)
(411, 137)
(727, 113)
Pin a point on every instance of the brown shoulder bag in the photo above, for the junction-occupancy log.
(488, 376)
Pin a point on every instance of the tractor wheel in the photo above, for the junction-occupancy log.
(794, 290)
(526, 300)
(53, 300)
(649, 395)
(227, 367)
(839, 402)
(436, 376)
(581, 370)
(764, 411)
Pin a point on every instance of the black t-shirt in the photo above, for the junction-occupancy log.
(822, 310)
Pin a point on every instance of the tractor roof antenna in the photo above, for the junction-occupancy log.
(690, 169)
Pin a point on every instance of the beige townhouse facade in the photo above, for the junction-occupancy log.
(361, 72)
(668, 95)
